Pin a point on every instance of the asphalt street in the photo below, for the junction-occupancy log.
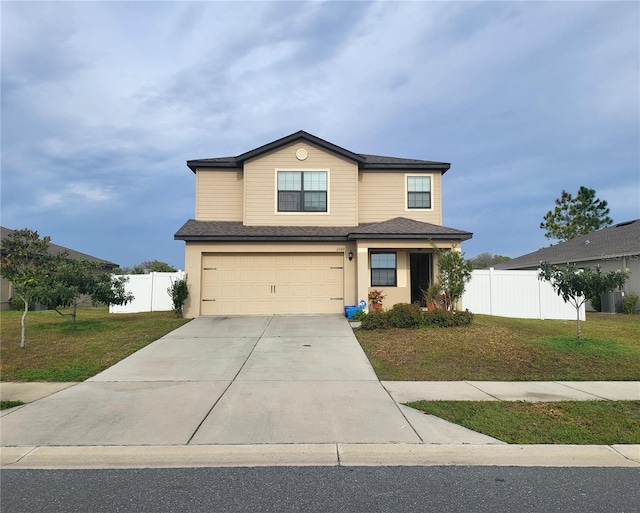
(323, 489)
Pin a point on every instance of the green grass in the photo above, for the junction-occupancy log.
(4, 405)
(566, 422)
(58, 350)
(505, 349)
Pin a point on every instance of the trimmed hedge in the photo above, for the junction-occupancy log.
(445, 319)
(404, 315)
(375, 321)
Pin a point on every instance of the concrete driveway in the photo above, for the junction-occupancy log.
(233, 380)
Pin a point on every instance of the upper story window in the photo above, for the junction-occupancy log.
(383, 270)
(302, 191)
(418, 192)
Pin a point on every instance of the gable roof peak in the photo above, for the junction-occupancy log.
(364, 161)
(297, 136)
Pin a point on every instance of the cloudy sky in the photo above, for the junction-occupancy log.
(103, 102)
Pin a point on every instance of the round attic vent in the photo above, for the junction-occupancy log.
(301, 154)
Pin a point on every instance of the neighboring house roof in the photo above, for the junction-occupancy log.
(397, 228)
(54, 249)
(620, 240)
(364, 161)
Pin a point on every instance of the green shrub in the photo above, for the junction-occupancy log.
(596, 304)
(179, 292)
(462, 318)
(629, 303)
(439, 318)
(404, 315)
(359, 316)
(375, 321)
(444, 319)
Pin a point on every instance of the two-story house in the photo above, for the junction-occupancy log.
(301, 225)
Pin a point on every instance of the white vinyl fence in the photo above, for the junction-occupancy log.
(150, 292)
(515, 294)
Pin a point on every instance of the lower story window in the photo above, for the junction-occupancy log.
(383, 269)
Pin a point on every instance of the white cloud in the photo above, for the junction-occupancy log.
(76, 193)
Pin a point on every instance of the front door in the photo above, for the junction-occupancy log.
(420, 269)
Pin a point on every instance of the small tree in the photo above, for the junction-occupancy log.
(79, 280)
(576, 216)
(179, 292)
(454, 272)
(148, 266)
(486, 260)
(28, 265)
(575, 286)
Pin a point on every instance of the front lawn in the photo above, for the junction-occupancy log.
(566, 422)
(506, 349)
(58, 350)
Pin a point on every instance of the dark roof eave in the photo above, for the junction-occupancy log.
(403, 167)
(411, 236)
(204, 164)
(195, 164)
(317, 238)
(260, 238)
(361, 159)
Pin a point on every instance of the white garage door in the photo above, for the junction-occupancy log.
(266, 283)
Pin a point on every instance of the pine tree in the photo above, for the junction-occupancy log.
(576, 216)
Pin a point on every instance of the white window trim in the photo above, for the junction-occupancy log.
(406, 192)
(301, 169)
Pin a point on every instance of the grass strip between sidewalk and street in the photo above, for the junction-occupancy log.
(564, 422)
(5, 405)
(58, 350)
(507, 349)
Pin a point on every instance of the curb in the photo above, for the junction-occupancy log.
(112, 457)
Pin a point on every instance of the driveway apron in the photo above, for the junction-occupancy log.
(225, 380)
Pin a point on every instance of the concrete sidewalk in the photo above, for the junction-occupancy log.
(271, 390)
(407, 391)
(534, 391)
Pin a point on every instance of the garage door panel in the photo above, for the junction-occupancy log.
(272, 283)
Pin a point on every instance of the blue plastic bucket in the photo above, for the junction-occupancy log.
(350, 310)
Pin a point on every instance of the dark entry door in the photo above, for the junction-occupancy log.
(420, 269)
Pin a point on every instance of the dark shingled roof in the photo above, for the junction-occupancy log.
(620, 240)
(54, 249)
(397, 228)
(364, 161)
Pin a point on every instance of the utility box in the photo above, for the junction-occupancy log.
(611, 302)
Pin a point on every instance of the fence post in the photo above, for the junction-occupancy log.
(153, 284)
(540, 316)
(490, 290)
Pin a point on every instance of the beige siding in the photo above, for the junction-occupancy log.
(382, 196)
(260, 192)
(402, 292)
(219, 195)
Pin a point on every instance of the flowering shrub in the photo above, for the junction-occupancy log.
(376, 296)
